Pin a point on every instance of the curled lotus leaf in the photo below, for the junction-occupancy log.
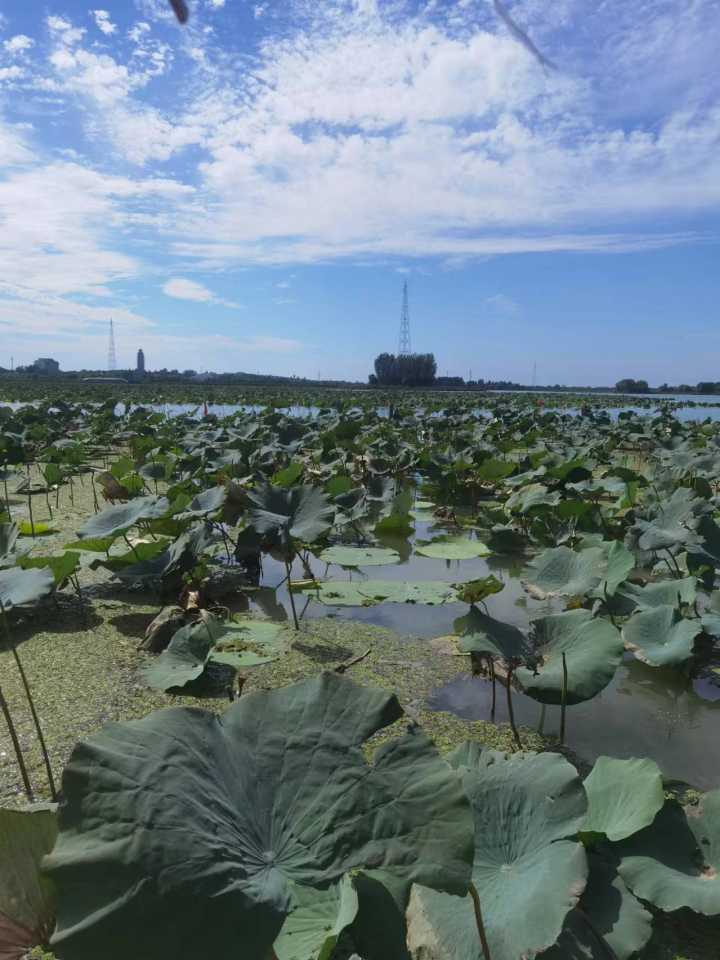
(480, 633)
(298, 512)
(317, 919)
(275, 793)
(24, 586)
(624, 796)
(661, 636)
(593, 650)
(528, 872)
(675, 862)
(186, 655)
(359, 556)
(121, 517)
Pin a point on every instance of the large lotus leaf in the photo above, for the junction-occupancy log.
(316, 920)
(675, 862)
(24, 586)
(624, 796)
(209, 501)
(366, 593)
(139, 554)
(452, 548)
(359, 556)
(480, 633)
(561, 571)
(492, 470)
(475, 591)
(661, 637)
(593, 650)
(528, 875)
(246, 643)
(179, 556)
(531, 497)
(661, 593)
(610, 921)
(183, 834)
(27, 900)
(619, 562)
(186, 656)
(62, 567)
(301, 512)
(673, 523)
(125, 515)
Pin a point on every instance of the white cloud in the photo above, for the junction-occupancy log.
(11, 73)
(217, 4)
(103, 22)
(18, 44)
(500, 303)
(182, 289)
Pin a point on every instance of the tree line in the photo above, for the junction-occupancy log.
(406, 370)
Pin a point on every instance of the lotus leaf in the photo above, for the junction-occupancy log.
(245, 643)
(204, 859)
(608, 911)
(480, 633)
(114, 520)
(529, 875)
(531, 497)
(209, 501)
(186, 655)
(593, 650)
(561, 571)
(61, 567)
(660, 636)
(24, 586)
(662, 593)
(27, 901)
(9, 533)
(369, 592)
(27, 529)
(359, 556)
(623, 796)
(673, 522)
(300, 513)
(675, 862)
(452, 548)
(318, 917)
(475, 591)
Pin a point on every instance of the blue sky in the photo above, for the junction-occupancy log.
(249, 192)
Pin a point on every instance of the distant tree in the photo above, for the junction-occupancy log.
(405, 370)
(707, 386)
(632, 386)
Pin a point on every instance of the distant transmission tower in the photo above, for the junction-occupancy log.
(112, 359)
(404, 344)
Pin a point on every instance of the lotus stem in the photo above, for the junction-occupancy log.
(16, 746)
(7, 498)
(511, 713)
(30, 511)
(479, 921)
(292, 598)
(31, 702)
(494, 687)
(541, 724)
(563, 699)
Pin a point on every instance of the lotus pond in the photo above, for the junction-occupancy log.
(532, 589)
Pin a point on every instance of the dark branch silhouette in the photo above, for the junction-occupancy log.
(181, 10)
(521, 36)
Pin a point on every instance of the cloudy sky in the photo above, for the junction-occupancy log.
(248, 192)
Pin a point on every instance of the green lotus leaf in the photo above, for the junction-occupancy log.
(246, 643)
(184, 834)
(673, 522)
(139, 554)
(527, 873)
(396, 524)
(660, 637)
(492, 470)
(474, 591)
(619, 562)
(593, 650)
(366, 593)
(675, 862)
(186, 656)
(661, 593)
(209, 501)
(290, 475)
(92, 544)
(316, 920)
(607, 910)
(359, 556)
(179, 556)
(532, 497)
(27, 529)
(62, 567)
(452, 548)
(114, 520)
(299, 512)
(561, 571)
(27, 898)
(624, 796)
(480, 633)
(24, 586)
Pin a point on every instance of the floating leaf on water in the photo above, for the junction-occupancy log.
(475, 591)
(452, 548)
(245, 643)
(359, 556)
(369, 592)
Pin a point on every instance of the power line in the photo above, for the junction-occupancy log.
(404, 346)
